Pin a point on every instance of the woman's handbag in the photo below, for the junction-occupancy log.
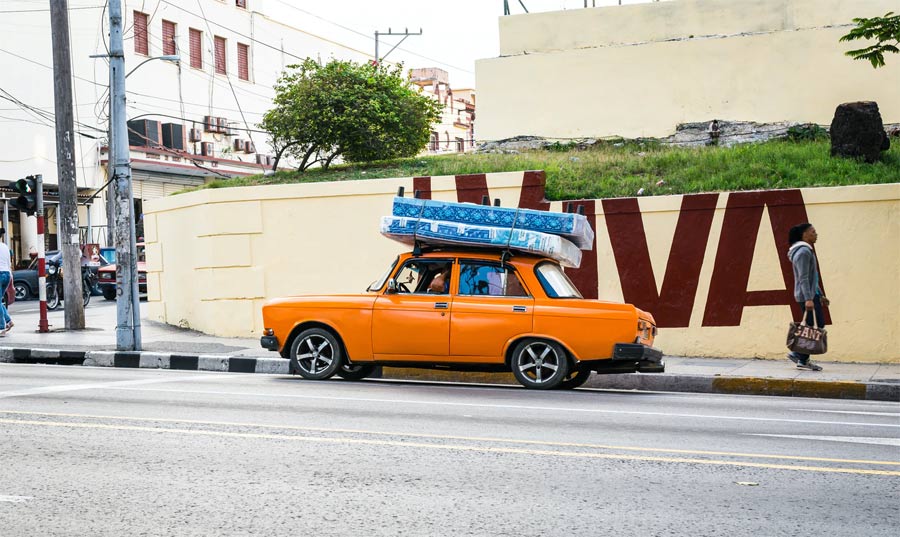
(804, 339)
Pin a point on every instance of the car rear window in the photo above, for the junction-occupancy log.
(555, 282)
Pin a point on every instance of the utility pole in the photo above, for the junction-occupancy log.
(67, 228)
(405, 33)
(128, 312)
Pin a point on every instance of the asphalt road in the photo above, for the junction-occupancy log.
(93, 451)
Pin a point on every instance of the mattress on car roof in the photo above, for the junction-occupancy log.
(410, 230)
(574, 227)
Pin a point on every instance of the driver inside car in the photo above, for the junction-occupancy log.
(440, 284)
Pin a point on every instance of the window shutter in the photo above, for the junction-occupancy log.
(168, 32)
(196, 48)
(141, 44)
(220, 55)
(243, 53)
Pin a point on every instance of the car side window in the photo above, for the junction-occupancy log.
(488, 279)
(430, 276)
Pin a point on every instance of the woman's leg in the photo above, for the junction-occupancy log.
(4, 314)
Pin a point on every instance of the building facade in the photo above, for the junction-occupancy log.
(455, 133)
(190, 121)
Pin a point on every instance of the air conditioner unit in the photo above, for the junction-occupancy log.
(173, 136)
(249, 147)
(195, 135)
(262, 159)
(238, 145)
(210, 124)
(143, 133)
(208, 149)
(223, 125)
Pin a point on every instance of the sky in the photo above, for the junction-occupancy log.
(455, 33)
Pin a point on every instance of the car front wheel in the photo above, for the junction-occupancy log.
(539, 364)
(316, 354)
(22, 291)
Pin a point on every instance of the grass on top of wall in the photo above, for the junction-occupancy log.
(619, 170)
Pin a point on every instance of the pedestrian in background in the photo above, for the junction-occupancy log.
(806, 284)
(5, 279)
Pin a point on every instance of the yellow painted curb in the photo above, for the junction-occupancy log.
(832, 390)
(753, 386)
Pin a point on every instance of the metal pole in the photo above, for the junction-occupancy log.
(376, 47)
(128, 326)
(43, 326)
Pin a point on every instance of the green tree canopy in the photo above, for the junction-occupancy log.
(885, 30)
(361, 112)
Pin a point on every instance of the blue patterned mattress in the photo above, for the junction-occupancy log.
(408, 230)
(574, 227)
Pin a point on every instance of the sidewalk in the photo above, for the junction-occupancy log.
(167, 346)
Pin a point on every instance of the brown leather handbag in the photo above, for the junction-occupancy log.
(804, 339)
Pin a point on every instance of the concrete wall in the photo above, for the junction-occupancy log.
(710, 267)
(639, 70)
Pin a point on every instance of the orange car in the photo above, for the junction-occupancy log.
(464, 310)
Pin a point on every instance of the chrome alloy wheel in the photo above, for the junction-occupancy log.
(540, 364)
(316, 354)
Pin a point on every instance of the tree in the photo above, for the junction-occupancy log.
(884, 29)
(360, 112)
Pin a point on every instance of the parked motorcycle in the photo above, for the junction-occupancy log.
(55, 292)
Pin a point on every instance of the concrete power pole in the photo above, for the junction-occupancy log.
(128, 317)
(67, 228)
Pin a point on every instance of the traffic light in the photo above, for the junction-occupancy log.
(27, 200)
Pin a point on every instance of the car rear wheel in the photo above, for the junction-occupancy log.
(22, 291)
(575, 379)
(355, 371)
(539, 364)
(109, 293)
(316, 354)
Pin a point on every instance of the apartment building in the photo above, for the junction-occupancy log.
(455, 132)
(190, 121)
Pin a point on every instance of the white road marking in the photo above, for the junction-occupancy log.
(14, 499)
(884, 414)
(92, 386)
(527, 408)
(875, 441)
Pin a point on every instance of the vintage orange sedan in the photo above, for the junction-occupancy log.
(469, 310)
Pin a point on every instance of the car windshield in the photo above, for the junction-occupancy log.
(379, 283)
(555, 282)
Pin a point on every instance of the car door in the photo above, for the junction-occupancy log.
(413, 323)
(491, 306)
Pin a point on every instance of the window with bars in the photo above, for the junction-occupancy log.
(220, 55)
(243, 57)
(168, 36)
(141, 40)
(196, 48)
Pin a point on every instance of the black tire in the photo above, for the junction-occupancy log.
(355, 371)
(532, 359)
(316, 354)
(109, 293)
(23, 292)
(575, 379)
(53, 298)
(86, 293)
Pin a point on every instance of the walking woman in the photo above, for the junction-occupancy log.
(5, 279)
(806, 284)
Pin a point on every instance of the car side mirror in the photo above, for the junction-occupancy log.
(392, 286)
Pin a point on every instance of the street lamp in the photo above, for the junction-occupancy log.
(169, 58)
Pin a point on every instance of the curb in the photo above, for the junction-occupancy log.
(876, 391)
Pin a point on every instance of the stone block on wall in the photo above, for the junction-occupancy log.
(232, 283)
(150, 234)
(222, 251)
(154, 257)
(230, 218)
(154, 287)
(227, 318)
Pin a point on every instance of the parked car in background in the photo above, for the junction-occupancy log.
(107, 275)
(25, 281)
(464, 310)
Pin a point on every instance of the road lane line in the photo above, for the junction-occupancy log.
(91, 386)
(455, 437)
(510, 407)
(14, 499)
(875, 441)
(452, 447)
(859, 412)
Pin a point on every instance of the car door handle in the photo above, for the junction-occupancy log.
(441, 305)
(520, 309)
